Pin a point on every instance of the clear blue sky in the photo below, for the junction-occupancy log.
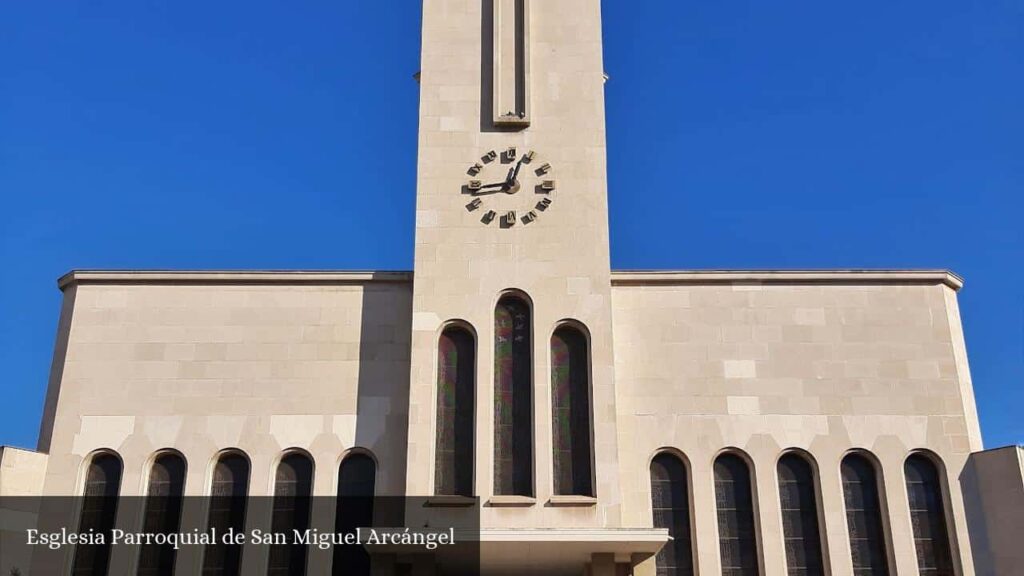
(742, 134)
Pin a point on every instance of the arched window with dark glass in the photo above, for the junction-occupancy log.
(162, 513)
(293, 488)
(800, 528)
(864, 516)
(570, 417)
(513, 403)
(456, 386)
(670, 503)
(928, 516)
(737, 532)
(229, 492)
(99, 512)
(356, 486)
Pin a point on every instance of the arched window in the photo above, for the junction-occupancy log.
(570, 407)
(99, 511)
(293, 487)
(800, 517)
(737, 533)
(162, 513)
(456, 386)
(513, 404)
(670, 502)
(356, 486)
(928, 517)
(864, 516)
(228, 493)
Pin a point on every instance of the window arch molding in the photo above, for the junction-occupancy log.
(151, 460)
(671, 451)
(883, 502)
(458, 323)
(816, 470)
(688, 466)
(211, 467)
(944, 495)
(294, 450)
(755, 502)
(876, 463)
(515, 293)
(357, 451)
(811, 461)
(83, 471)
(742, 454)
(940, 467)
(572, 323)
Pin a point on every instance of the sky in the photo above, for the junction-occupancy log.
(741, 134)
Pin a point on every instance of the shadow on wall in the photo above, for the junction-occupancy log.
(382, 422)
(993, 488)
(60, 353)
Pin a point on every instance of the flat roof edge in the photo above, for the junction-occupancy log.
(851, 276)
(618, 277)
(77, 277)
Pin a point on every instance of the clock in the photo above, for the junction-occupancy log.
(508, 189)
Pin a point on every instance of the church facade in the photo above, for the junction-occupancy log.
(609, 422)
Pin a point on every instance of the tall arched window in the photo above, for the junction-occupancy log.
(864, 516)
(737, 533)
(356, 486)
(570, 417)
(800, 517)
(293, 487)
(162, 513)
(670, 502)
(513, 404)
(928, 517)
(99, 511)
(229, 491)
(456, 386)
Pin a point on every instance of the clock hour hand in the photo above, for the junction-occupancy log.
(480, 191)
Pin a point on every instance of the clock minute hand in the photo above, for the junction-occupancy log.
(513, 175)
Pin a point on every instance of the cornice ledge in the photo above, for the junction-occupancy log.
(77, 277)
(851, 276)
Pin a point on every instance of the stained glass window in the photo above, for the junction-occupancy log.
(99, 511)
(670, 502)
(737, 531)
(228, 494)
(570, 405)
(356, 485)
(162, 513)
(864, 517)
(513, 404)
(928, 517)
(293, 486)
(453, 471)
(800, 517)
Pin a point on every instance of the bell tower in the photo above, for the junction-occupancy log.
(512, 200)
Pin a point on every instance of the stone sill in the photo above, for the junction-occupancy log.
(450, 502)
(511, 501)
(566, 501)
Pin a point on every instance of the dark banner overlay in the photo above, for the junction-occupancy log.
(229, 535)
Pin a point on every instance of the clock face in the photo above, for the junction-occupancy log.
(510, 189)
